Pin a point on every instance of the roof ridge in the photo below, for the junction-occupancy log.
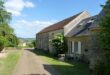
(60, 24)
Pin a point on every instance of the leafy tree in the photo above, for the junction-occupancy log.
(13, 41)
(6, 32)
(34, 43)
(5, 29)
(3, 42)
(4, 15)
(59, 43)
(31, 43)
(103, 67)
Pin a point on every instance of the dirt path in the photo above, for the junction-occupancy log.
(31, 64)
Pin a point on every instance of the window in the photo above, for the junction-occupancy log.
(71, 46)
(75, 46)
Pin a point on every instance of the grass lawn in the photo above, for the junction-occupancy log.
(67, 67)
(8, 64)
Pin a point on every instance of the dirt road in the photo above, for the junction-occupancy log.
(31, 64)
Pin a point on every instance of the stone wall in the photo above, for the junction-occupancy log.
(43, 41)
(90, 51)
(52, 34)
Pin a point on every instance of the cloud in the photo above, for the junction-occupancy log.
(24, 28)
(16, 6)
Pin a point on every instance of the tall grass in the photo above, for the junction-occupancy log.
(8, 64)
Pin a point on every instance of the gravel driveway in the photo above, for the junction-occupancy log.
(31, 64)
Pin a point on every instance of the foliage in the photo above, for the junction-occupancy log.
(68, 67)
(12, 40)
(34, 43)
(3, 42)
(4, 15)
(5, 30)
(103, 66)
(31, 43)
(59, 43)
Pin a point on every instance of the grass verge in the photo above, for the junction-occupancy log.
(65, 68)
(8, 64)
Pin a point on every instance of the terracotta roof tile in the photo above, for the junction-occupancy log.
(59, 25)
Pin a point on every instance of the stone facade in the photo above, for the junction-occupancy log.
(80, 32)
(42, 41)
(63, 27)
(44, 38)
(87, 45)
(51, 36)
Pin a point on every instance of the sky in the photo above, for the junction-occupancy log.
(31, 16)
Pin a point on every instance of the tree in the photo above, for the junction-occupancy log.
(3, 42)
(103, 67)
(105, 31)
(5, 16)
(59, 44)
(34, 43)
(5, 29)
(13, 41)
(6, 32)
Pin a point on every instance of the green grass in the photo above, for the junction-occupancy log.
(8, 64)
(65, 68)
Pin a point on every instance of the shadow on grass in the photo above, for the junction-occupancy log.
(74, 68)
(67, 70)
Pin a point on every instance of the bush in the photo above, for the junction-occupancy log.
(59, 44)
(102, 68)
(99, 68)
(3, 42)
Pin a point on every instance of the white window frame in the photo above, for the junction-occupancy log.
(72, 46)
(79, 47)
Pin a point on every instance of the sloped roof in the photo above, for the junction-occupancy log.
(59, 25)
(84, 29)
(98, 19)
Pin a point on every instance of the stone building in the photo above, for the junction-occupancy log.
(65, 26)
(80, 31)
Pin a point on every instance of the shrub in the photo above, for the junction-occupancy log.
(3, 42)
(102, 68)
(59, 44)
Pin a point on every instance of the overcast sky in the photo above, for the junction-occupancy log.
(30, 16)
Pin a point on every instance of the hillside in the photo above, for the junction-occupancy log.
(27, 39)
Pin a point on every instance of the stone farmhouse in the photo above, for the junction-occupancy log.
(80, 31)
